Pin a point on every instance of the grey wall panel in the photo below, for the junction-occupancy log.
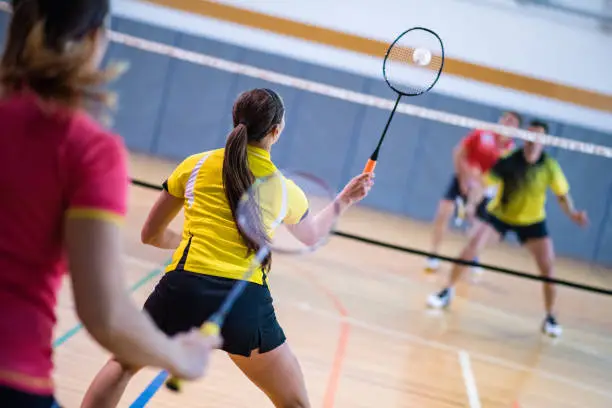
(282, 150)
(197, 106)
(590, 179)
(4, 25)
(603, 249)
(324, 130)
(142, 89)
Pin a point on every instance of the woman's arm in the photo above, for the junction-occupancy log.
(155, 231)
(110, 316)
(567, 205)
(96, 194)
(560, 187)
(314, 227)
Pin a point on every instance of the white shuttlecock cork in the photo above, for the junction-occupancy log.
(421, 56)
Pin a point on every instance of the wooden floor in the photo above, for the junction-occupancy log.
(355, 316)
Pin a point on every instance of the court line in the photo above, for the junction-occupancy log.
(148, 393)
(143, 262)
(468, 379)
(331, 389)
(523, 320)
(447, 347)
(141, 282)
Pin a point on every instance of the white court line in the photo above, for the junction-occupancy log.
(307, 308)
(523, 320)
(468, 379)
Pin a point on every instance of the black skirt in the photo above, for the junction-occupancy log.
(183, 300)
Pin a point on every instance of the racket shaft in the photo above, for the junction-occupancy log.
(374, 157)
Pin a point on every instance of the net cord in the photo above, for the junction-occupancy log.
(348, 95)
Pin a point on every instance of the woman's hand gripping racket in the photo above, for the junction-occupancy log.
(412, 66)
(291, 213)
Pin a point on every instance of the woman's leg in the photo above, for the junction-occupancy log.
(108, 386)
(278, 374)
(484, 235)
(481, 217)
(445, 212)
(543, 252)
(168, 305)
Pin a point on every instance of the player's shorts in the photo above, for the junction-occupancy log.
(183, 300)
(13, 398)
(524, 233)
(454, 190)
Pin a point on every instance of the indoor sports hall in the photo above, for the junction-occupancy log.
(355, 310)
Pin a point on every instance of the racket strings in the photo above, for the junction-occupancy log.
(414, 62)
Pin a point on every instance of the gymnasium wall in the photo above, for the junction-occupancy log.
(519, 39)
(173, 108)
(498, 53)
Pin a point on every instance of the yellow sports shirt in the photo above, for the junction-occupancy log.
(211, 243)
(527, 204)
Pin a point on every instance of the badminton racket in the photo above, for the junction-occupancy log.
(412, 66)
(287, 212)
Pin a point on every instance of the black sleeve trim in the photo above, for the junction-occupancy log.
(305, 215)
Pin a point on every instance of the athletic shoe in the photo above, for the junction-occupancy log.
(550, 327)
(432, 264)
(476, 270)
(441, 299)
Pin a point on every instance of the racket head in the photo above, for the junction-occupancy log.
(414, 61)
(277, 209)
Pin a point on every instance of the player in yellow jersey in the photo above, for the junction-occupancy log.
(522, 178)
(211, 253)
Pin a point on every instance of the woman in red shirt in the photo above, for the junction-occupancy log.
(64, 189)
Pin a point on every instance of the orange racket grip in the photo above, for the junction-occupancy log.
(370, 166)
(208, 329)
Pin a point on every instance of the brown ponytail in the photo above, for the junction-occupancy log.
(51, 63)
(255, 114)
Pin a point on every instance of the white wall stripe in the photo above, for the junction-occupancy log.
(351, 96)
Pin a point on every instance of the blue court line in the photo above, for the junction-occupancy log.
(150, 391)
(77, 328)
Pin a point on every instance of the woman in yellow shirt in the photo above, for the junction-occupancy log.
(212, 253)
(522, 179)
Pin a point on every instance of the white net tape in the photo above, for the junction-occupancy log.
(348, 95)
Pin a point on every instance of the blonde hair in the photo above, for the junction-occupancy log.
(60, 73)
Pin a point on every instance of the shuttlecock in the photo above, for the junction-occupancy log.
(421, 56)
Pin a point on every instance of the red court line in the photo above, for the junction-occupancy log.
(334, 377)
(345, 330)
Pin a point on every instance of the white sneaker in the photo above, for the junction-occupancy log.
(551, 328)
(441, 299)
(432, 264)
(477, 271)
